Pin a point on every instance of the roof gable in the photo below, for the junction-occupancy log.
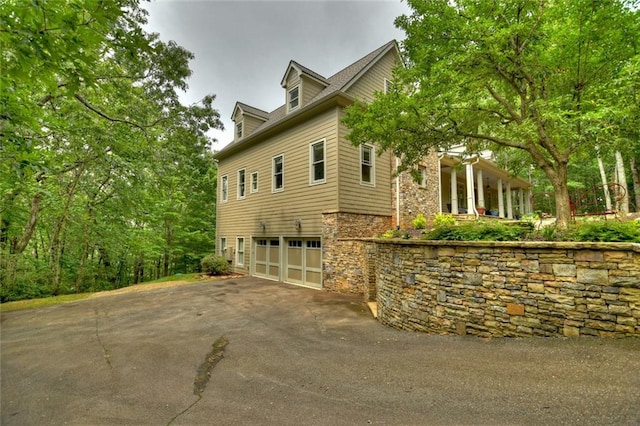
(336, 85)
(303, 71)
(249, 110)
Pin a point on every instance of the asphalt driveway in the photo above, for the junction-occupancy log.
(250, 351)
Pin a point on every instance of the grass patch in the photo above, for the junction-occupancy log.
(57, 300)
(40, 303)
(190, 278)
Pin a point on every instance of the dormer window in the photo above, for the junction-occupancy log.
(239, 130)
(293, 98)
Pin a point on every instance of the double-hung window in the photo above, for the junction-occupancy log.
(223, 246)
(278, 173)
(240, 251)
(254, 182)
(387, 86)
(317, 162)
(224, 188)
(367, 165)
(423, 177)
(293, 98)
(239, 128)
(242, 185)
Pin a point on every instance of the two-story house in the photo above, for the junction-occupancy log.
(291, 187)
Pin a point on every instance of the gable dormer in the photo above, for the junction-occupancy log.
(246, 120)
(301, 85)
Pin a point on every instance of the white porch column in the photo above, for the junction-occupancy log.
(509, 202)
(521, 201)
(479, 181)
(471, 204)
(500, 199)
(527, 202)
(454, 191)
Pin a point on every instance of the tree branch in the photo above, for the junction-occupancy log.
(502, 101)
(142, 127)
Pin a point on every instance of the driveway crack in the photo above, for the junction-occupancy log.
(204, 373)
(105, 351)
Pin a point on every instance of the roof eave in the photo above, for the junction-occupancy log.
(339, 99)
(392, 46)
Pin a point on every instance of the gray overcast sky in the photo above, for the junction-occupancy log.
(242, 48)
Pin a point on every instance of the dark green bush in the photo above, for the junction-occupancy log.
(215, 265)
(605, 230)
(480, 231)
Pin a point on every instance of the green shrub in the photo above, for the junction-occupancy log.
(215, 265)
(420, 222)
(444, 219)
(605, 230)
(479, 231)
(391, 233)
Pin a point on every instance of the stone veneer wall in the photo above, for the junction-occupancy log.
(345, 261)
(415, 199)
(509, 289)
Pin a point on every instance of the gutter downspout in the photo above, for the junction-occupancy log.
(397, 194)
(440, 155)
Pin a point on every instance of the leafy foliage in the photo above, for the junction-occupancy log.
(106, 179)
(535, 76)
(444, 219)
(215, 265)
(479, 231)
(420, 222)
(605, 230)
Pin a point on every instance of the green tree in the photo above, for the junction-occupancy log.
(93, 138)
(524, 74)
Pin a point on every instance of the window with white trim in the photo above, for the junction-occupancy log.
(240, 251)
(242, 184)
(254, 182)
(423, 176)
(278, 174)
(223, 246)
(387, 86)
(224, 188)
(239, 129)
(317, 163)
(293, 98)
(367, 165)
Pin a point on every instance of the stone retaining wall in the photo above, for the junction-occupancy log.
(509, 289)
(344, 255)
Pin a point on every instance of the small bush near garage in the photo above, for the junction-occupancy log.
(215, 265)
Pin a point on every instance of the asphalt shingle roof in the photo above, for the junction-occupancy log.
(337, 82)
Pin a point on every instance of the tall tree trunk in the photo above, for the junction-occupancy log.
(168, 243)
(562, 199)
(603, 177)
(56, 239)
(19, 245)
(622, 180)
(636, 182)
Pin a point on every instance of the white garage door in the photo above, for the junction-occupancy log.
(267, 258)
(304, 262)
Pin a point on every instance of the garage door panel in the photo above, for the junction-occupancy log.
(304, 262)
(267, 258)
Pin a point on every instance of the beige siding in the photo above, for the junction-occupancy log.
(373, 80)
(355, 197)
(310, 88)
(251, 124)
(299, 200)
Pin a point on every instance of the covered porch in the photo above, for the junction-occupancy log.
(478, 187)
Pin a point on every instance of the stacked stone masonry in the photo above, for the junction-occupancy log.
(415, 198)
(509, 289)
(344, 253)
